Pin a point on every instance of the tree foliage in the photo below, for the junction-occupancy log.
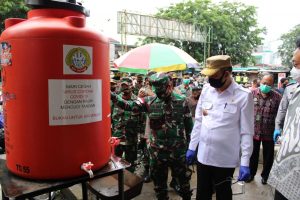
(288, 45)
(12, 9)
(235, 28)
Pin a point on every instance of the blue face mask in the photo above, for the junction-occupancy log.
(265, 88)
(186, 81)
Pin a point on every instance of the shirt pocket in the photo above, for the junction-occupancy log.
(206, 105)
(230, 108)
(229, 111)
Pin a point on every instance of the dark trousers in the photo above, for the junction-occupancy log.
(209, 177)
(268, 157)
(279, 196)
(181, 173)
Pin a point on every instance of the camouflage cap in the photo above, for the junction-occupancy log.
(113, 81)
(150, 73)
(139, 78)
(126, 80)
(159, 79)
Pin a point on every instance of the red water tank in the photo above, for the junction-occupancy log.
(56, 90)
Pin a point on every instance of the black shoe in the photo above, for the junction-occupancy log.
(264, 181)
(147, 179)
(146, 175)
(250, 179)
(175, 186)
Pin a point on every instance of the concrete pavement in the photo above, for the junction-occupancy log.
(253, 191)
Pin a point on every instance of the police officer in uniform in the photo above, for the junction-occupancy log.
(170, 122)
(223, 131)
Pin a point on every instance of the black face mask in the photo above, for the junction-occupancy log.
(217, 82)
(160, 91)
(197, 97)
(284, 85)
(174, 82)
(126, 92)
(113, 89)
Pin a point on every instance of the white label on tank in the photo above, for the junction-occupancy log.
(74, 101)
(78, 60)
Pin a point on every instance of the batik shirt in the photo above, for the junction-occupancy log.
(285, 173)
(265, 111)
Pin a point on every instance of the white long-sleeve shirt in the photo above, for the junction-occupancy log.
(224, 127)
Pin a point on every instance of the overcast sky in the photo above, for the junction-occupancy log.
(278, 16)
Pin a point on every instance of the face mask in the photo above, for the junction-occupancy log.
(174, 82)
(196, 97)
(295, 74)
(265, 88)
(113, 89)
(161, 92)
(186, 81)
(217, 82)
(284, 85)
(125, 91)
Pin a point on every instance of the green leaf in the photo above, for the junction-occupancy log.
(234, 26)
(12, 9)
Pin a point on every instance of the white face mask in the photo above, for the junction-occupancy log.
(295, 74)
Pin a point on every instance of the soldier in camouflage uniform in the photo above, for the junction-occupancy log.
(185, 88)
(113, 85)
(113, 88)
(170, 121)
(139, 84)
(142, 147)
(143, 137)
(125, 125)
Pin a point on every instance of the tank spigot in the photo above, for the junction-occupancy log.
(87, 167)
(114, 141)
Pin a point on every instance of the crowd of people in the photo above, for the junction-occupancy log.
(213, 122)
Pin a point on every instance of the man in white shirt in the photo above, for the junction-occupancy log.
(223, 130)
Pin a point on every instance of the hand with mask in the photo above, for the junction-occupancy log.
(142, 93)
